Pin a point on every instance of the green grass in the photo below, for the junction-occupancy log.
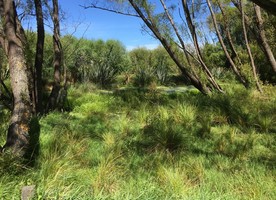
(150, 144)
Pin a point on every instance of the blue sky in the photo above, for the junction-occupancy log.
(98, 24)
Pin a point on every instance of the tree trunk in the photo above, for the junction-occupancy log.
(232, 64)
(18, 131)
(181, 41)
(249, 49)
(55, 94)
(39, 56)
(150, 24)
(253, 29)
(228, 35)
(196, 44)
(267, 49)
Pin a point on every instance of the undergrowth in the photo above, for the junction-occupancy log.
(149, 144)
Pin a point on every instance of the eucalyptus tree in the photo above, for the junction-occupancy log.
(34, 55)
(193, 32)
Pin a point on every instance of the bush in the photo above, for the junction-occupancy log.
(143, 78)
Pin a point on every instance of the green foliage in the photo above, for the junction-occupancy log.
(142, 62)
(150, 142)
(107, 61)
(4, 119)
(96, 61)
(47, 68)
(163, 65)
(149, 66)
(84, 60)
(214, 56)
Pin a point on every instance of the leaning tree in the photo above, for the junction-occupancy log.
(165, 27)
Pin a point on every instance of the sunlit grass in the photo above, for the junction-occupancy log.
(152, 145)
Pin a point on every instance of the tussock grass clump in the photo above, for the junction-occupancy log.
(149, 144)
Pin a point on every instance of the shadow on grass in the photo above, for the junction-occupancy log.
(238, 110)
(34, 147)
(230, 111)
(17, 165)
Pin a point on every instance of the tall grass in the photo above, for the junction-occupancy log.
(148, 144)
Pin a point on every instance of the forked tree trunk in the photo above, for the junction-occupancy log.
(18, 131)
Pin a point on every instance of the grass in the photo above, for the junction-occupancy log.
(150, 144)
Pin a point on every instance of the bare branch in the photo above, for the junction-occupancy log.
(109, 10)
(176, 31)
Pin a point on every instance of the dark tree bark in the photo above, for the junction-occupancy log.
(18, 131)
(232, 64)
(267, 49)
(54, 99)
(39, 56)
(57, 44)
(268, 5)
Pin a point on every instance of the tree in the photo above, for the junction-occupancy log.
(231, 61)
(162, 27)
(248, 48)
(107, 61)
(142, 63)
(192, 28)
(39, 56)
(56, 98)
(18, 138)
(163, 65)
(263, 32)
(266, 46)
